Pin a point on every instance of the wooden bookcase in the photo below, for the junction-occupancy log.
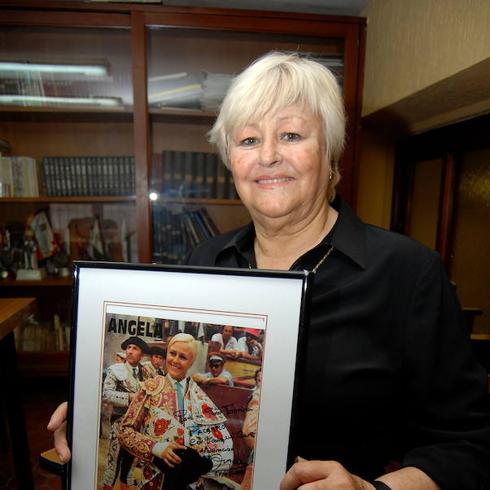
(138, 42)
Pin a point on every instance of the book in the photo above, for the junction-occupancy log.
(19, 176)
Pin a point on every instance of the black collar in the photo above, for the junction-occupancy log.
(348, 237)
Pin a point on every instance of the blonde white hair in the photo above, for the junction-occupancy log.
(272, 83)
(187, 339)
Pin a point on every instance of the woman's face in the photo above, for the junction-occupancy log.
(180, 358)
(279, 165)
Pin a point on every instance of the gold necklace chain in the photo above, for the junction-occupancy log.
(323, 259)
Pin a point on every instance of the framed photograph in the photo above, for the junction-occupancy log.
(183, 377)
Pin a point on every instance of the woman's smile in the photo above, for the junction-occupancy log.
(273, 181)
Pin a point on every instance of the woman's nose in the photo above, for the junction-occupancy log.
(269, 153)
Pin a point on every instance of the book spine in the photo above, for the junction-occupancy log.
(26, 176)
(90, 191)
(132, 182)
(46, 175)
(17, 177)
(70, 177)
(118, 181)
(210, 224)
(6, 176)
(74, 176)
(211, 175)
(97, 175)
(110, 184)
(178, 171)
(82, 176)
(199, 181)
(58, 176)
(63, 176)
(200, 226)
(41, 189)
(34, 178)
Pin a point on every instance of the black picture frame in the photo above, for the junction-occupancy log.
(115, 304)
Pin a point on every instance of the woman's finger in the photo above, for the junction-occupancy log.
(61, 444)
(175, 458)
(58, 417)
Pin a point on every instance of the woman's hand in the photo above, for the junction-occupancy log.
(322, 475)
(169, 456)
(57, 424)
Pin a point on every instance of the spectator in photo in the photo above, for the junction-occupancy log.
(249, 346)
(156, 362)
(120, 356)
(226, 339)
(217, 374)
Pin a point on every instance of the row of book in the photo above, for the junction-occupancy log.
(192, 174)
(175, 174)
(89, 176)
(34, 336)
(19, 177)
(177, 231)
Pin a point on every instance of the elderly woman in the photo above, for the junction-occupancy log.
(389, 372)
(171, 416)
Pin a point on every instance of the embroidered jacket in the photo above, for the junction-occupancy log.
(153, 417)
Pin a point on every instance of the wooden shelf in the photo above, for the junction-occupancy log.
(67, 199)
(172, 113)
(69, 114)
(97, 114)
(49, 282)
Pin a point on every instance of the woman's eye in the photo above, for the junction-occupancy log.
(290, 137)
(248, 141)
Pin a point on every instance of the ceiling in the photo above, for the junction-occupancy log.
(330, 7)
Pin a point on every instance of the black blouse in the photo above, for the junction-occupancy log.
(389, 372)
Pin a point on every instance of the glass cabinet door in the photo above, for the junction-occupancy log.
(189, 73)
(66, 104)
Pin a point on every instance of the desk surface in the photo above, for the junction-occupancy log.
(12, 312)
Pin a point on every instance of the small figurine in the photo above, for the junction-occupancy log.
(29, 269)
(30, 249)
(6, 254)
